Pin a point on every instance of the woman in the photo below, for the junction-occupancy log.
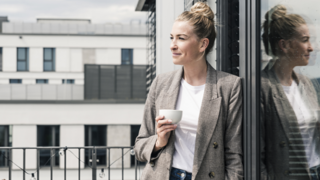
(207, 143)
(290, 136)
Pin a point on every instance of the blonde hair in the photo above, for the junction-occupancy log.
(279, 25)
(201, 18)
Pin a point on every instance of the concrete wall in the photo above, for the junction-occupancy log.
(139, 56)
(74, 139)
(119, 135)
(24, 136)
(63, 63)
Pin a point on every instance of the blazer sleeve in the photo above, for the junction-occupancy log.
(233, 135)
(147, 137)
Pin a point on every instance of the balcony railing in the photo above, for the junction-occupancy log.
(6, 152)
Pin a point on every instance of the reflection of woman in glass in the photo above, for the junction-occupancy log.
(289, 144)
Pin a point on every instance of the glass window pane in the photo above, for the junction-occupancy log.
(48, 66)
(126, 56)
(15, 81)
(21, 53)
(48, 54)
(42, 81)
(22, 66)
(290, 90)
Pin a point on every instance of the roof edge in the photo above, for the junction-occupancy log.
(140, 5)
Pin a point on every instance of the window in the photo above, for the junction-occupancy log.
(96, 136)
(15, 81)
(22, 59)
(67, 81)
(126, 56)
(5, 141)
(49, 59)
(48, 136)
(0, 59)
(42, 81)
(134, 133)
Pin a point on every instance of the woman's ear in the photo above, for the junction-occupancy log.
(284, 45)
(204, 44)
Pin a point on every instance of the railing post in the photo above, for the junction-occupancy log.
(109, 163)
(51, 164)
(94, 164)
(79, 166)
(65, 163)
(24, 164)
(38, 163)
(10, 164)
(122, 169)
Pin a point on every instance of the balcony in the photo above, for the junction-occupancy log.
(118, 164)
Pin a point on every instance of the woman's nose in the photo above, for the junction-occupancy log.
(173, 44)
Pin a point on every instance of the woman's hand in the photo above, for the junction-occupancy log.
(164, 128)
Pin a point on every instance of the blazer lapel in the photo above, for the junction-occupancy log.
(209, 113)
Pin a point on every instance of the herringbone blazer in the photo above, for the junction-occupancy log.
(218, 147)
(283, 154)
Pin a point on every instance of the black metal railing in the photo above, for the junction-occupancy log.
(7, 153)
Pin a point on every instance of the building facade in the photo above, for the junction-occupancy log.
(44, 69)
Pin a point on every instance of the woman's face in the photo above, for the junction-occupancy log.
(185, 46)
(298, 48)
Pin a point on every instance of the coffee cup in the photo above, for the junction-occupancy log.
(174, 115)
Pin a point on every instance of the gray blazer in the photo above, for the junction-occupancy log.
(218, 147)
(282, 150)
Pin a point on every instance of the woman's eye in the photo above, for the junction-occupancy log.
(171, 38)
(181, 38)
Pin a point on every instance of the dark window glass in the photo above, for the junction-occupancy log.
(22, 59)
(49, 59)
(126, 56)
(290, 90)
(67, 81)
(48, 136)
(4, 142)
(96, 136)
(15, 81)
(42, 81)
(134, 133)
(0, 59)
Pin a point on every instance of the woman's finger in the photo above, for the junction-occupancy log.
(159, 118)
(165, 127)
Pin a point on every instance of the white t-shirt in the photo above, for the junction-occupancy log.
(189, 101)
(306, 120)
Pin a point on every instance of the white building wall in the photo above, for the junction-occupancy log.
(73, 139)
(119, 135)
(24, 136)
(113, 56)
(36, 59)
(167, 12)
(9, 59)
(139, 56)
(63, 63)
(69, 114)
(76, 63)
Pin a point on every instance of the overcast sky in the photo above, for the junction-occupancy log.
(99, 11)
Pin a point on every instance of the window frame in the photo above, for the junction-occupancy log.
(53, 52)
(130, 56)
(11, 81)
(1, 59)
(26, 60)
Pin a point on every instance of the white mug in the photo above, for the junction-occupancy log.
(174, 115)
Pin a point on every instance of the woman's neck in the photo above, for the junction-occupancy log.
(196, 73)
(283, 70)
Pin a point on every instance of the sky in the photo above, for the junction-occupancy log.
(99, 11)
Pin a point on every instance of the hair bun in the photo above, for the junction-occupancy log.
(202, 9)
(277, 12)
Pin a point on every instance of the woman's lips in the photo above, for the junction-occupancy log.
(176, 54)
